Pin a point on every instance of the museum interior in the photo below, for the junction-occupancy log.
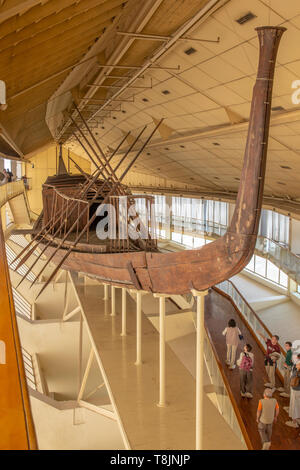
(150, 212)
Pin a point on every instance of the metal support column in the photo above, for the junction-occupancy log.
(113, 301)
(138, 328)
(199, 366)
(124, 312)
(105, 292)
(162, 349)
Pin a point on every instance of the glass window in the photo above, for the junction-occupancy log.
(187, 240)
(198, 242)
(176, 237)
(250, 265)
(272, 272)
(283, 280)
(260, 266)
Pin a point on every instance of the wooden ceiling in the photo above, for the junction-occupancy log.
(206, 106)
(39, 40)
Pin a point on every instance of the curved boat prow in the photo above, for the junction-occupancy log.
(213, 263)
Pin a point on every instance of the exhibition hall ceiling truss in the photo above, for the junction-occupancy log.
(191, 62)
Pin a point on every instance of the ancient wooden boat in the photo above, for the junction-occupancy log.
(65, 232)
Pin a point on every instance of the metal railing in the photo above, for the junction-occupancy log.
(279, 254)
(251, 318)
(226, 403)
(22, 306)
(225, 400)
(10, 254)
(29, 369)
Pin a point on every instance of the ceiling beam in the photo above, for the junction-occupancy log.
(222, 130)
(40, 44)
(15, 7)
(66, 19)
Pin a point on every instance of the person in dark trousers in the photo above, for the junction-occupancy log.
(294, 409)
(9, 175)
(245, 363)
(271, 358)
(288, 365)
(267, 414)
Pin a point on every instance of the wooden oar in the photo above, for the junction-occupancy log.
(94, 215)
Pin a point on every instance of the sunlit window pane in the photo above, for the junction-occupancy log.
(250, 265)
(260, 266)
(272, 272)
(283, 279)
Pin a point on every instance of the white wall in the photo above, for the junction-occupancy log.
(56, 430)
(295, 236)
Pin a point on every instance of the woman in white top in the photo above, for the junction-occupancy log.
(232, 333)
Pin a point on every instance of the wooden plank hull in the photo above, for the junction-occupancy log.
(169, 273)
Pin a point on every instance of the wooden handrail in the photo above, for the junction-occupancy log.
(16, 423)
(230, 394)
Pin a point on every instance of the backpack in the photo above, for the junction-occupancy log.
(295, 381)
(246, 363)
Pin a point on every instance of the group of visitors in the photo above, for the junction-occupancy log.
(268, 408)
(7, 176)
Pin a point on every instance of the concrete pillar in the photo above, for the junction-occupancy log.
(168, 217)
(113, 301)
(199, 366)
(124, 312)
(138, 328)
(105, 292)
(162, 349)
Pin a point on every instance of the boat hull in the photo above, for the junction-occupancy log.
(167, 273)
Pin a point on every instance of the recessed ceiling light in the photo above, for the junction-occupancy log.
(165, 92)
(244, 19)
(285, 167)
(190, 50)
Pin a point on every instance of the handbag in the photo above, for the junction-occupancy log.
(241, 337)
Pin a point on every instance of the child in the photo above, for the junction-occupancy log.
(267, 414)
(288, 364)
(245, 363)
(233, 334)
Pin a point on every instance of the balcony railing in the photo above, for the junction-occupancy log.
(10, 190)
(277, 253)
(226, 403)
(252, 320)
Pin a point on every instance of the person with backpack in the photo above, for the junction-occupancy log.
(272, 355)
(233, 334)
(294, 409)
(245, 363)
